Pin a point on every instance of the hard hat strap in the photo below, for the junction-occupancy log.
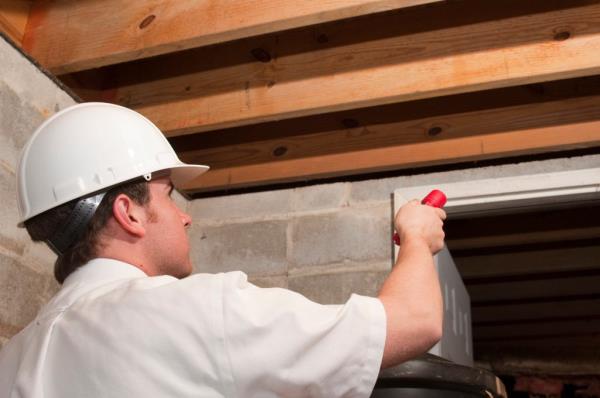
(75, 225)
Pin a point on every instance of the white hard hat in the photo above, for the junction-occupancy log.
(88, 148)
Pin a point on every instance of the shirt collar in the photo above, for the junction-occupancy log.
(103, 269)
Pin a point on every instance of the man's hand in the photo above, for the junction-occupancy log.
(417, 221)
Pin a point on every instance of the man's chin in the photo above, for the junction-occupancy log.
(180, 271)
(185, 271)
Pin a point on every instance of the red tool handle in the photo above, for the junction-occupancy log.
(435, 198)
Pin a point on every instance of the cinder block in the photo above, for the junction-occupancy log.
(336, 288)
(269, 281)
(251, 205)
(19, 117)
(318, 197)
(7, 331)
(39, 257)
(15, 240)
(17, 120)
(12, 238)
(374, 190)
(31, 85)
(356, 235)
(3, 341)
(257, 248)
(23, 292)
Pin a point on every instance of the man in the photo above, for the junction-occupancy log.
(94, 182)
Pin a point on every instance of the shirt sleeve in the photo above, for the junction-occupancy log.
(280, 344)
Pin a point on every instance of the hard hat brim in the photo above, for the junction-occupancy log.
(184, 173)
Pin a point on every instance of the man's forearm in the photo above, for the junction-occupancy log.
(413, 303)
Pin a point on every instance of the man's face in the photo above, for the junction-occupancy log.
(166, 231)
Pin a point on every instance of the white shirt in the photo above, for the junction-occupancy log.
(112, 331)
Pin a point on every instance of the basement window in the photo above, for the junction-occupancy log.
(527, 249)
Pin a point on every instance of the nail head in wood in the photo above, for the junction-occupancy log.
(436, 130)
(261, 55)
(350, 123)
(322, 38)
(147, 21)
(562, 36)
(279, 151)
(537, 88)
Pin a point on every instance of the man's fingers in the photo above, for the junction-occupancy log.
(441, 213)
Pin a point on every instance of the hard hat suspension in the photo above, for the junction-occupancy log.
(74, 226)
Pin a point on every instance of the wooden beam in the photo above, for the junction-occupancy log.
(534, 289)
(506, 109)
(75, 35)
(401, 156)
(480, 134)
(421, 52)
(467, 237)
(535, 311)
(576, 343)
(529, 262)
(400, 124)
(13, 18)
(523, 238)
(575, 357)
(537, 330)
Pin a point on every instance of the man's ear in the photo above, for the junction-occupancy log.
(129, 215)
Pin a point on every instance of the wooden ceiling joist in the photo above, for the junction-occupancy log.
(558, 286)
(425, 152)
(529, 262)
(538, 330)
(374, 141)
(541, 230)
(284, 92)
(420, 52)
(13, 18)
(535, 310)
(74, 35)
(405, 123)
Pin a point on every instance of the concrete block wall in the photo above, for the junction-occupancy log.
(27, 98)
(306, 239)
(324, 241)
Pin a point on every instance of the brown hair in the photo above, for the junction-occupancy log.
(43, 226)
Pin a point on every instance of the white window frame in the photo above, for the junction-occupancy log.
(513, 193)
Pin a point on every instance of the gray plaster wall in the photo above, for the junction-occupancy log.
(324, 241)
(27, 98)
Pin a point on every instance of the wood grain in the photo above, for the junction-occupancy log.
(536, 311)
(395, 137)
(528, 262)
(421, 52)
(408, 155)
(377, 128)
(13, 18)
(74, 35)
